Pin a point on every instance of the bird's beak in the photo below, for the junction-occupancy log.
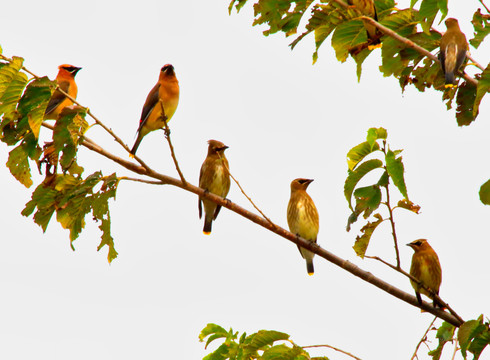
(77, 69)
(309, 181)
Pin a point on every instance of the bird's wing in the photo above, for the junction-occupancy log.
(57, 97)
(150, 103)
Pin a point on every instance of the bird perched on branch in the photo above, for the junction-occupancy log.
(160, 104)
(366, 7)
(453, 50)
(66, 82)
(426, 268)
(303, 218)
(214, 178)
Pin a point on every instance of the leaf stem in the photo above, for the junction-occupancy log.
(333, 348)
(423, 339)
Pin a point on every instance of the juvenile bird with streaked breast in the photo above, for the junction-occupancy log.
(426, 268)
(66, 82)
(215, 178)
(160, 104)
(303, 219)
(453, 51)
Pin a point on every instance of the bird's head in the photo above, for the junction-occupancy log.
(300, 184)
(419, 245)
(216, 147)
(168, 70)
(69, 69)
(452, 23)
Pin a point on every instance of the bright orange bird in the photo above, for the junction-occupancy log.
(66, 82)
(426, 268)
(160, 105)
(215, 178)
(303, 218)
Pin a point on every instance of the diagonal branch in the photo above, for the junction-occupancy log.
(333, 348)
(485, 6)
(313, 247)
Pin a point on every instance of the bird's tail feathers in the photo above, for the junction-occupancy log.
(309, 267)
(136, 145)
(207, 226)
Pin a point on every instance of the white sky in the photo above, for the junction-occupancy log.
(282, 118)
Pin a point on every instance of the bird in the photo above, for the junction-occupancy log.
(366, 7)
(214, 178)
(160, 104)
(66, 81)
(426, 268)
(303, 219)
(453, 51)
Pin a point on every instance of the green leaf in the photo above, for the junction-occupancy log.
(282, 352)
(277, 15)
(44, 199)
(427, 13)
(68, 134)
(212, 329)
(355, 176)
(18, 165)
(465, 100)
(376, 134)
(238, 6)
(408, 205)
(347, 36)
(359, 152)
(11, 94)
(445, 333)
(33, 103)
(367, 199)
(219, 354)
(367, 230)
(482, 89)
(395, 168)
(9, 73)
(468, 331)
(263, 338)
(107, 239)
(480, 342)
(485, 193)
(384, 7)
(481, 24)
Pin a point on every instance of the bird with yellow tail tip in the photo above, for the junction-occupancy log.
(160, 104)
(66, 82)
(303, 218)
(426, 268)
(214, 178)
(366, 7)
(453, 51)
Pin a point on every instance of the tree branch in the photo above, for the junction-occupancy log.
(485, 6)
(333, 348)
(392, 222)
(313, 247)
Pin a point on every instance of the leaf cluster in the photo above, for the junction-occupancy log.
(398, 58)
(361, 161)
(23, 103)
(261, 345)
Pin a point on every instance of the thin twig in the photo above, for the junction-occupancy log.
(333, 348)
(485, 6)
(423, 339)
(313, 247)
(456, 348)
(245, 194)
(142, 180)
(392, 222)
(436, 296)
(167, 136)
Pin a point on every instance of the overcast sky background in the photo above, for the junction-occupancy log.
(282, 118)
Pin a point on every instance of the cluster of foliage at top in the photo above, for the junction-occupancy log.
(257, 346)
(23, 102)
(398, 59)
